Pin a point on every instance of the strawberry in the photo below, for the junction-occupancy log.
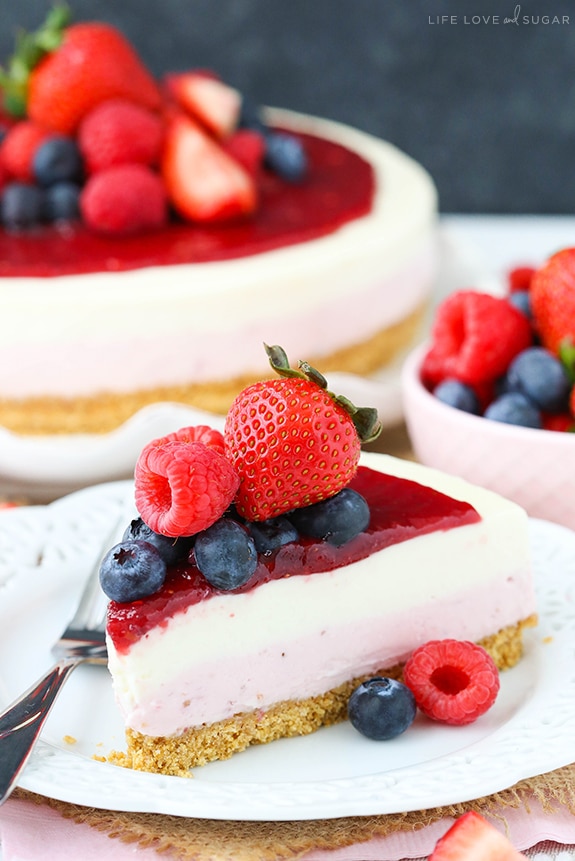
(183, 482)
(291, 441)
(208, 100)
(453, 681)
(203, 182)
(248, 148)
(19, 147)
(474, 338)
(120, 132)
(553, 300)
(62, 71)
(473, 838)
(127, 198)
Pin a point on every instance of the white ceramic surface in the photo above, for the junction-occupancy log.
(535, 468)
(46, 551)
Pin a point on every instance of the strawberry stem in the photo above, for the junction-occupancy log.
(365, 419)
(29, 50)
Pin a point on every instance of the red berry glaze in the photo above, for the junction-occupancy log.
(473, 838)
(453, 681)
(474, 338)
(182, 486)
(291, 444)
(125, 199)
(553, 300)
(120, 132)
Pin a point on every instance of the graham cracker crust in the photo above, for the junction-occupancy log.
(218, 741)
(106, 411)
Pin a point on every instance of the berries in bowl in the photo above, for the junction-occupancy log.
(491, 397)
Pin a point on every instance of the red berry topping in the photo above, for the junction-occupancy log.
(19, 147)
(562, 422)
(120, 132)
(519, 279)
(213, 103)
(247, 147)
(474, 338)
(473, 837)
(291, 442)
(553, 300)
(124, 199)
(183, 485)
(453, 681)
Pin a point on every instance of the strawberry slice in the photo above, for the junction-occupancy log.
(203, 182)
(473, 838)
(248, 148)
(213, 103)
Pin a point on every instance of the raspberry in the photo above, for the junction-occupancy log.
(124, 199)
(474, 338)
(19, 147)
(120, 132)
(519, 279)
(198, 433)
(182, 487)
(453, 681)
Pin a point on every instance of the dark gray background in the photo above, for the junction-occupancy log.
(488, 108)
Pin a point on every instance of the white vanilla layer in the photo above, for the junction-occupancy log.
(298, 637)
(161, 326)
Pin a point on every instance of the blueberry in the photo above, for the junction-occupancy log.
(381, 708)
(62, 202)
(336, 520)
(538, 375)
(22, 205)
(171, 550)
(286, 156)
(132, 570)
(226, 554)
(58, 159)
(521, 300)
(458, 395)
(269, 535)
(514, 408)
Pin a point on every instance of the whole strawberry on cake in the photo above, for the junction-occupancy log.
(149, 224)
(278, 579)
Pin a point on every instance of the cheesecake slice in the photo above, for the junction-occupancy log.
(200, 674)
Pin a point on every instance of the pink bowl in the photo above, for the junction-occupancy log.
(534, 468)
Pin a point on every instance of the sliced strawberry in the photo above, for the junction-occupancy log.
(473, 838)
(203, 182)
(213, 103)
(248, 148)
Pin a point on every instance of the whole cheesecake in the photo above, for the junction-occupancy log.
(200, 674)
(338, 268)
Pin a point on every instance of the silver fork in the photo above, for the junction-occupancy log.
(83, 641)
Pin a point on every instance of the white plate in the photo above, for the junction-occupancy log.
(45, 553)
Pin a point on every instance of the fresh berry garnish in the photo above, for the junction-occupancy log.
(57, 159)
(291, 441)
(226, 554)
(204, 183)
(205, 434)
(132, 570)
(270, 535)
(120, 132)
(62, 202)
(22, 205)
(519, 279)
(208, 100)
(474, 338)
(561, 422)
(182, 487)
(19, 148)
(336, 520)
(286, 156)
(62, 71)
(458, 395)
(513, 408)
(381, 708)
(172, 550)
(453, 681)
(521, 300)
(473, 838)
(247, 148)
(541, 377)
(128, 198)
(553, 300)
